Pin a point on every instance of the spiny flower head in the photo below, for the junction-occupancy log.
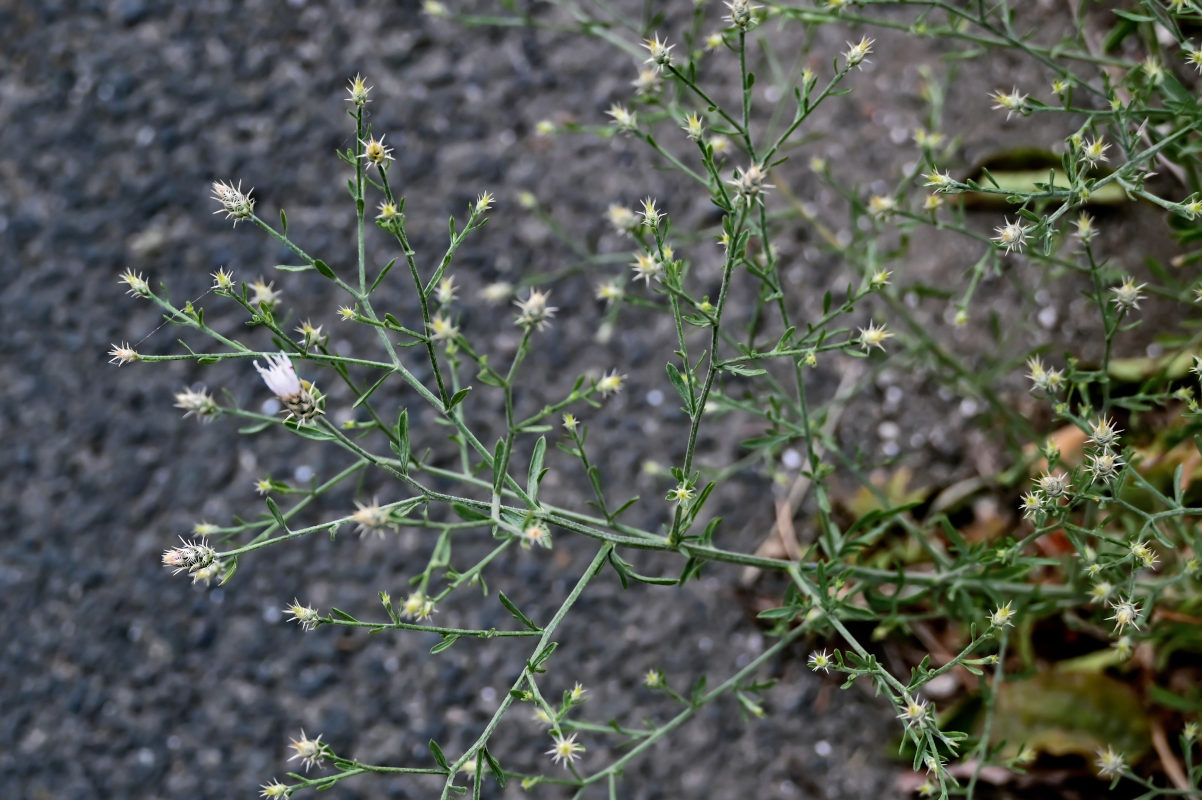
(1144, 554)
(1054, 485)
(1126, 296)
(565, 749)
(534, 313)
(647, 83)
(577, 692)
(309, 332)
(939, 181)
(623, 219)
(624, 117)
(371, 518)
(881, 206)
(610, 292)
(742, 14)
(263, 293)
(914, 711)
(661, 56)
(651, 214)
(1110, 762)
(1125, 613)
(536, 533)
(1012, 235)
(820, 660)
(223, 280)
(1012, 103)
(1104, 466)
(374, 151)
(188, 557)
(1194, 58)
(122, 354)
(236, 204)
(357, 91)
(1032, 505)
(442, 329)
(874, 336)
(1049, 380)
(311, 752)
(653, 679)
(445, 293)
(1085, 228)
(496, 292)
(388, 211)
(927, 139)
(346, 313)
(135, 283)
(610, 383)
(1002, 616)
(750, 184)
(1153, 69)
(1093, 151)
(1100, 591)
(484, 202)
(306, 616)
(272, 790)
(1103, 433)
(413, 605)
(693, 127)
(197, 403)
(281, 378)
(856, 53)
(682, 494)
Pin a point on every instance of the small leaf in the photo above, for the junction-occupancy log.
(494, 767)
(457, 398)
(337, 612)
(323, 268)
(275, 513)
(447, 642)
(283, 222)
(535, 475)
(739, 369)
(513, 609)
(401, 445)
(468, 514)
(438, 756)
(682, 389)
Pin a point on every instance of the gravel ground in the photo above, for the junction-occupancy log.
(120, 681)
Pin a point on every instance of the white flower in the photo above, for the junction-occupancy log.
(280, 376)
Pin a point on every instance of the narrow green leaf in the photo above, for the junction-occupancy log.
(535, 475)
(438, 756)
(543, 656)
(447, 642)
(275, 513)
(513, 609)
(468, 514)
(323, 268)
(499, 457)
(678, 382)
(457, 398)
(283, 222)
(494, 767)
(401, 445)
(337, 612)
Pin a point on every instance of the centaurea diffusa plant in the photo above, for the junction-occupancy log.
(1084, 552)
